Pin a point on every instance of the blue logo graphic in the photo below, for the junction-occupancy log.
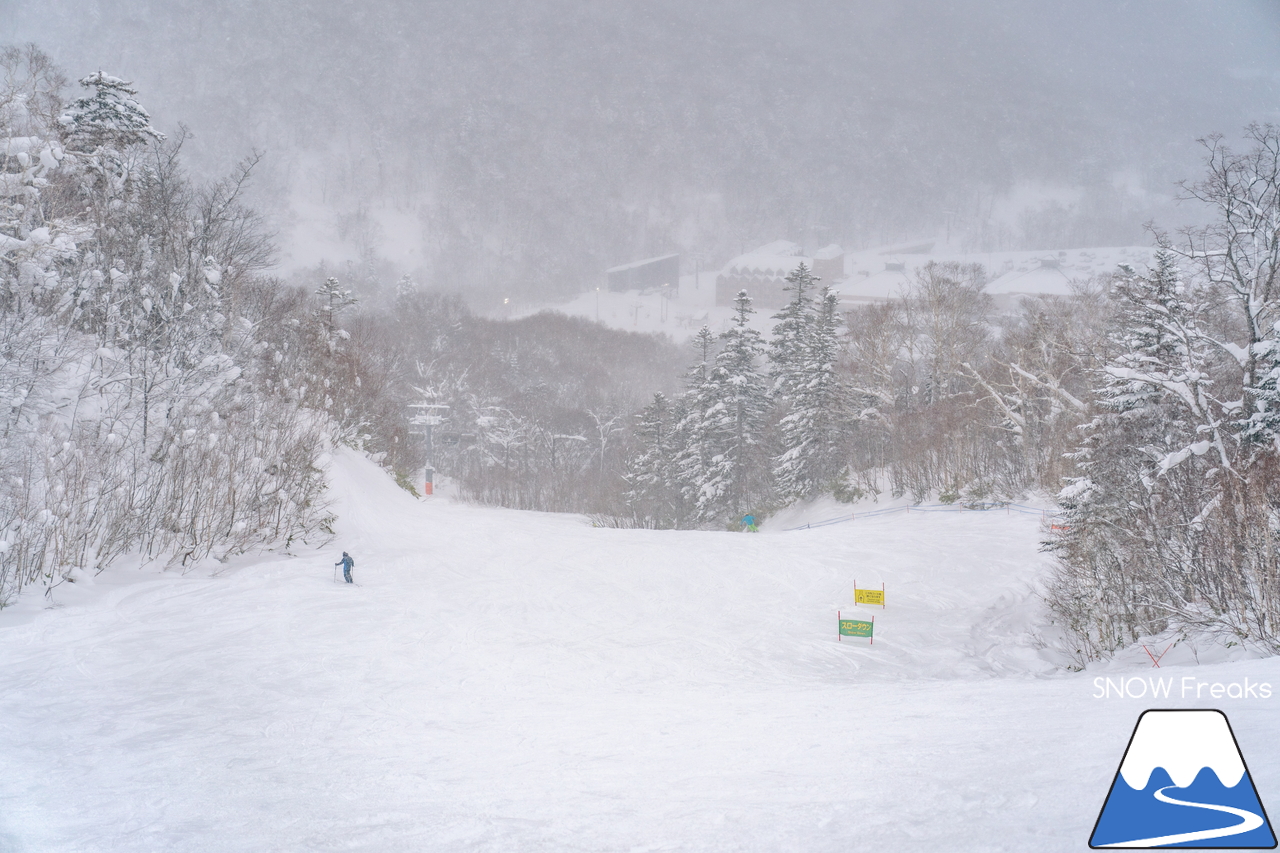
(1183, 783)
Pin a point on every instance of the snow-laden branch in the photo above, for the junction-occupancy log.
(1019, 422)
(1053, 386)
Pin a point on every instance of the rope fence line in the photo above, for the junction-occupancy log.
(854, 516)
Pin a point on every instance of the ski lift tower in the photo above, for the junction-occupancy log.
(428, 415)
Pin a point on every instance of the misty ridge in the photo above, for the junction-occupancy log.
(513, 150)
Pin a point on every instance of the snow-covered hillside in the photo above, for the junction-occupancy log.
(513, 681)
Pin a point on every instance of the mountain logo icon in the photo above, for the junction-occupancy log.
(1183, 783)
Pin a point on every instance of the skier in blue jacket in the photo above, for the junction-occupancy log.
(347, 563)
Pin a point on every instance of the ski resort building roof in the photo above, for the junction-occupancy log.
(761, 272)
(877, 276)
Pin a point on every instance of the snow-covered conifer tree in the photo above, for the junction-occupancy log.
(789, 346)
(696, 437)
(810, 432)
(652, 491)
(1260, 428)
(334, 299)
(107, 118)
(1154, 395)
(737, 475)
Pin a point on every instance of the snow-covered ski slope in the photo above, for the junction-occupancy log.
(511, 681)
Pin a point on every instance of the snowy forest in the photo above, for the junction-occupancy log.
(169, 396)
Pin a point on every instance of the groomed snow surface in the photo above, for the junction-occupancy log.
(512, 681)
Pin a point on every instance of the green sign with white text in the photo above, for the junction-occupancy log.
(855, 628)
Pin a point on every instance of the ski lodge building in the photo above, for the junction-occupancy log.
(646, 274)
(762, 273)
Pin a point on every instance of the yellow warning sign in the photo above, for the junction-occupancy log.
(868, 596)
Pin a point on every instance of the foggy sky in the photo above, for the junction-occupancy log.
(520, 147)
